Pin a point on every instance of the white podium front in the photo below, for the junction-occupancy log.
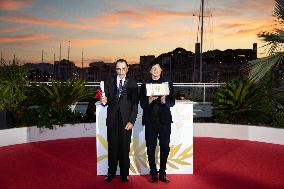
(180, 160)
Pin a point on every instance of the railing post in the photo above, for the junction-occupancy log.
(204, 97)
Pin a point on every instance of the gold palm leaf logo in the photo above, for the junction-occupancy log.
(105, 145)
(139, 156)
(175, 159)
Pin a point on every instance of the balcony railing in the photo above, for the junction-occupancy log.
(198, 92)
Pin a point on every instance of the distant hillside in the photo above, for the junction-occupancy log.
(40, 66)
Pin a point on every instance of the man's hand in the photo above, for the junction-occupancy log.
(152, 98)
(103, 100)
(129, 126)
(163, 99)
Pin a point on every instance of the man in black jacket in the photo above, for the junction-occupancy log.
(121, 96)
(157, 119)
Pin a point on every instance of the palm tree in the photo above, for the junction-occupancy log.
(261, 68)
(49, 105)
(240, 101)
(59, 94)
(263, 71)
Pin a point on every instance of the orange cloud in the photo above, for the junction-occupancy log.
(249, 31)
(13, 39)
(255, 29)
(15, 4)
(244, 8)
(48, 22)
(167, 34)
(106, 20)
(149, 13)
(10, 30)
(88, 42)
(135, 19)
(230, 26)
(160, 12)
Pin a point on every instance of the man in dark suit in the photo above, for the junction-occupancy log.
(121, 97)
(157, 119)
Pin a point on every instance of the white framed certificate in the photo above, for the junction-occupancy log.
(157, 89)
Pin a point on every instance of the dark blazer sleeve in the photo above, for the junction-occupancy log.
(134, 102)
(144, 99)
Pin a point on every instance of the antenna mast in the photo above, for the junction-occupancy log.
(201, 39)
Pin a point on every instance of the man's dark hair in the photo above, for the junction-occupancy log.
(121, 60)
(155, 63)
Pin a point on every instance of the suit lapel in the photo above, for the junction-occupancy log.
(114, 87)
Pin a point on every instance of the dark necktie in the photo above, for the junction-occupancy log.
(120, 88)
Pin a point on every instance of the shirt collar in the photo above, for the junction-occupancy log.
(118, 80)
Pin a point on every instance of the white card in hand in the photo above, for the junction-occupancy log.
(157, 89)
(102, 86)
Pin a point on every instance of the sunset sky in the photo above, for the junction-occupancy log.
(107, 30)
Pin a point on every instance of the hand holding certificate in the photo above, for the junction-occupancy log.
(157, 89)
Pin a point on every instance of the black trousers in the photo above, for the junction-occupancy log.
(118, 147)
(153, 131)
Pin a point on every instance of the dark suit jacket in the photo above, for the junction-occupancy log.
(127, 104)
(165, 116)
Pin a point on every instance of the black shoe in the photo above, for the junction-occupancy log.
(124, 179)
(154, 178)
(109, 177)
(164, 178)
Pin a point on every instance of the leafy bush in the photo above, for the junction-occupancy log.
(278, 119)
(59, 94)
(49, 105)
(240, 101)
(48, 117)
(12, 83)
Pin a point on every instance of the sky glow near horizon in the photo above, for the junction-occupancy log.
(108, 30)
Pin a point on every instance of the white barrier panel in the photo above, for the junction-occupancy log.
(34, 134)
(180, 160)
(240, 132)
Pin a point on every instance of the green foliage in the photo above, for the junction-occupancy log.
(263, 71)
(274, 41)
(49, 105)
(278, 119)
(12, 83)
(48, 117)
(59, 94)
(263, 67)
(240, 102)
(9, 98)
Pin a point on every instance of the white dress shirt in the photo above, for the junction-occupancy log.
(118, 81)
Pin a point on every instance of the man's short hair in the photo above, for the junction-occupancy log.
(155, 63)
(121, 60)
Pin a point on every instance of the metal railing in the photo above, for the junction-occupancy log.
(199, 92)
(202, 86)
